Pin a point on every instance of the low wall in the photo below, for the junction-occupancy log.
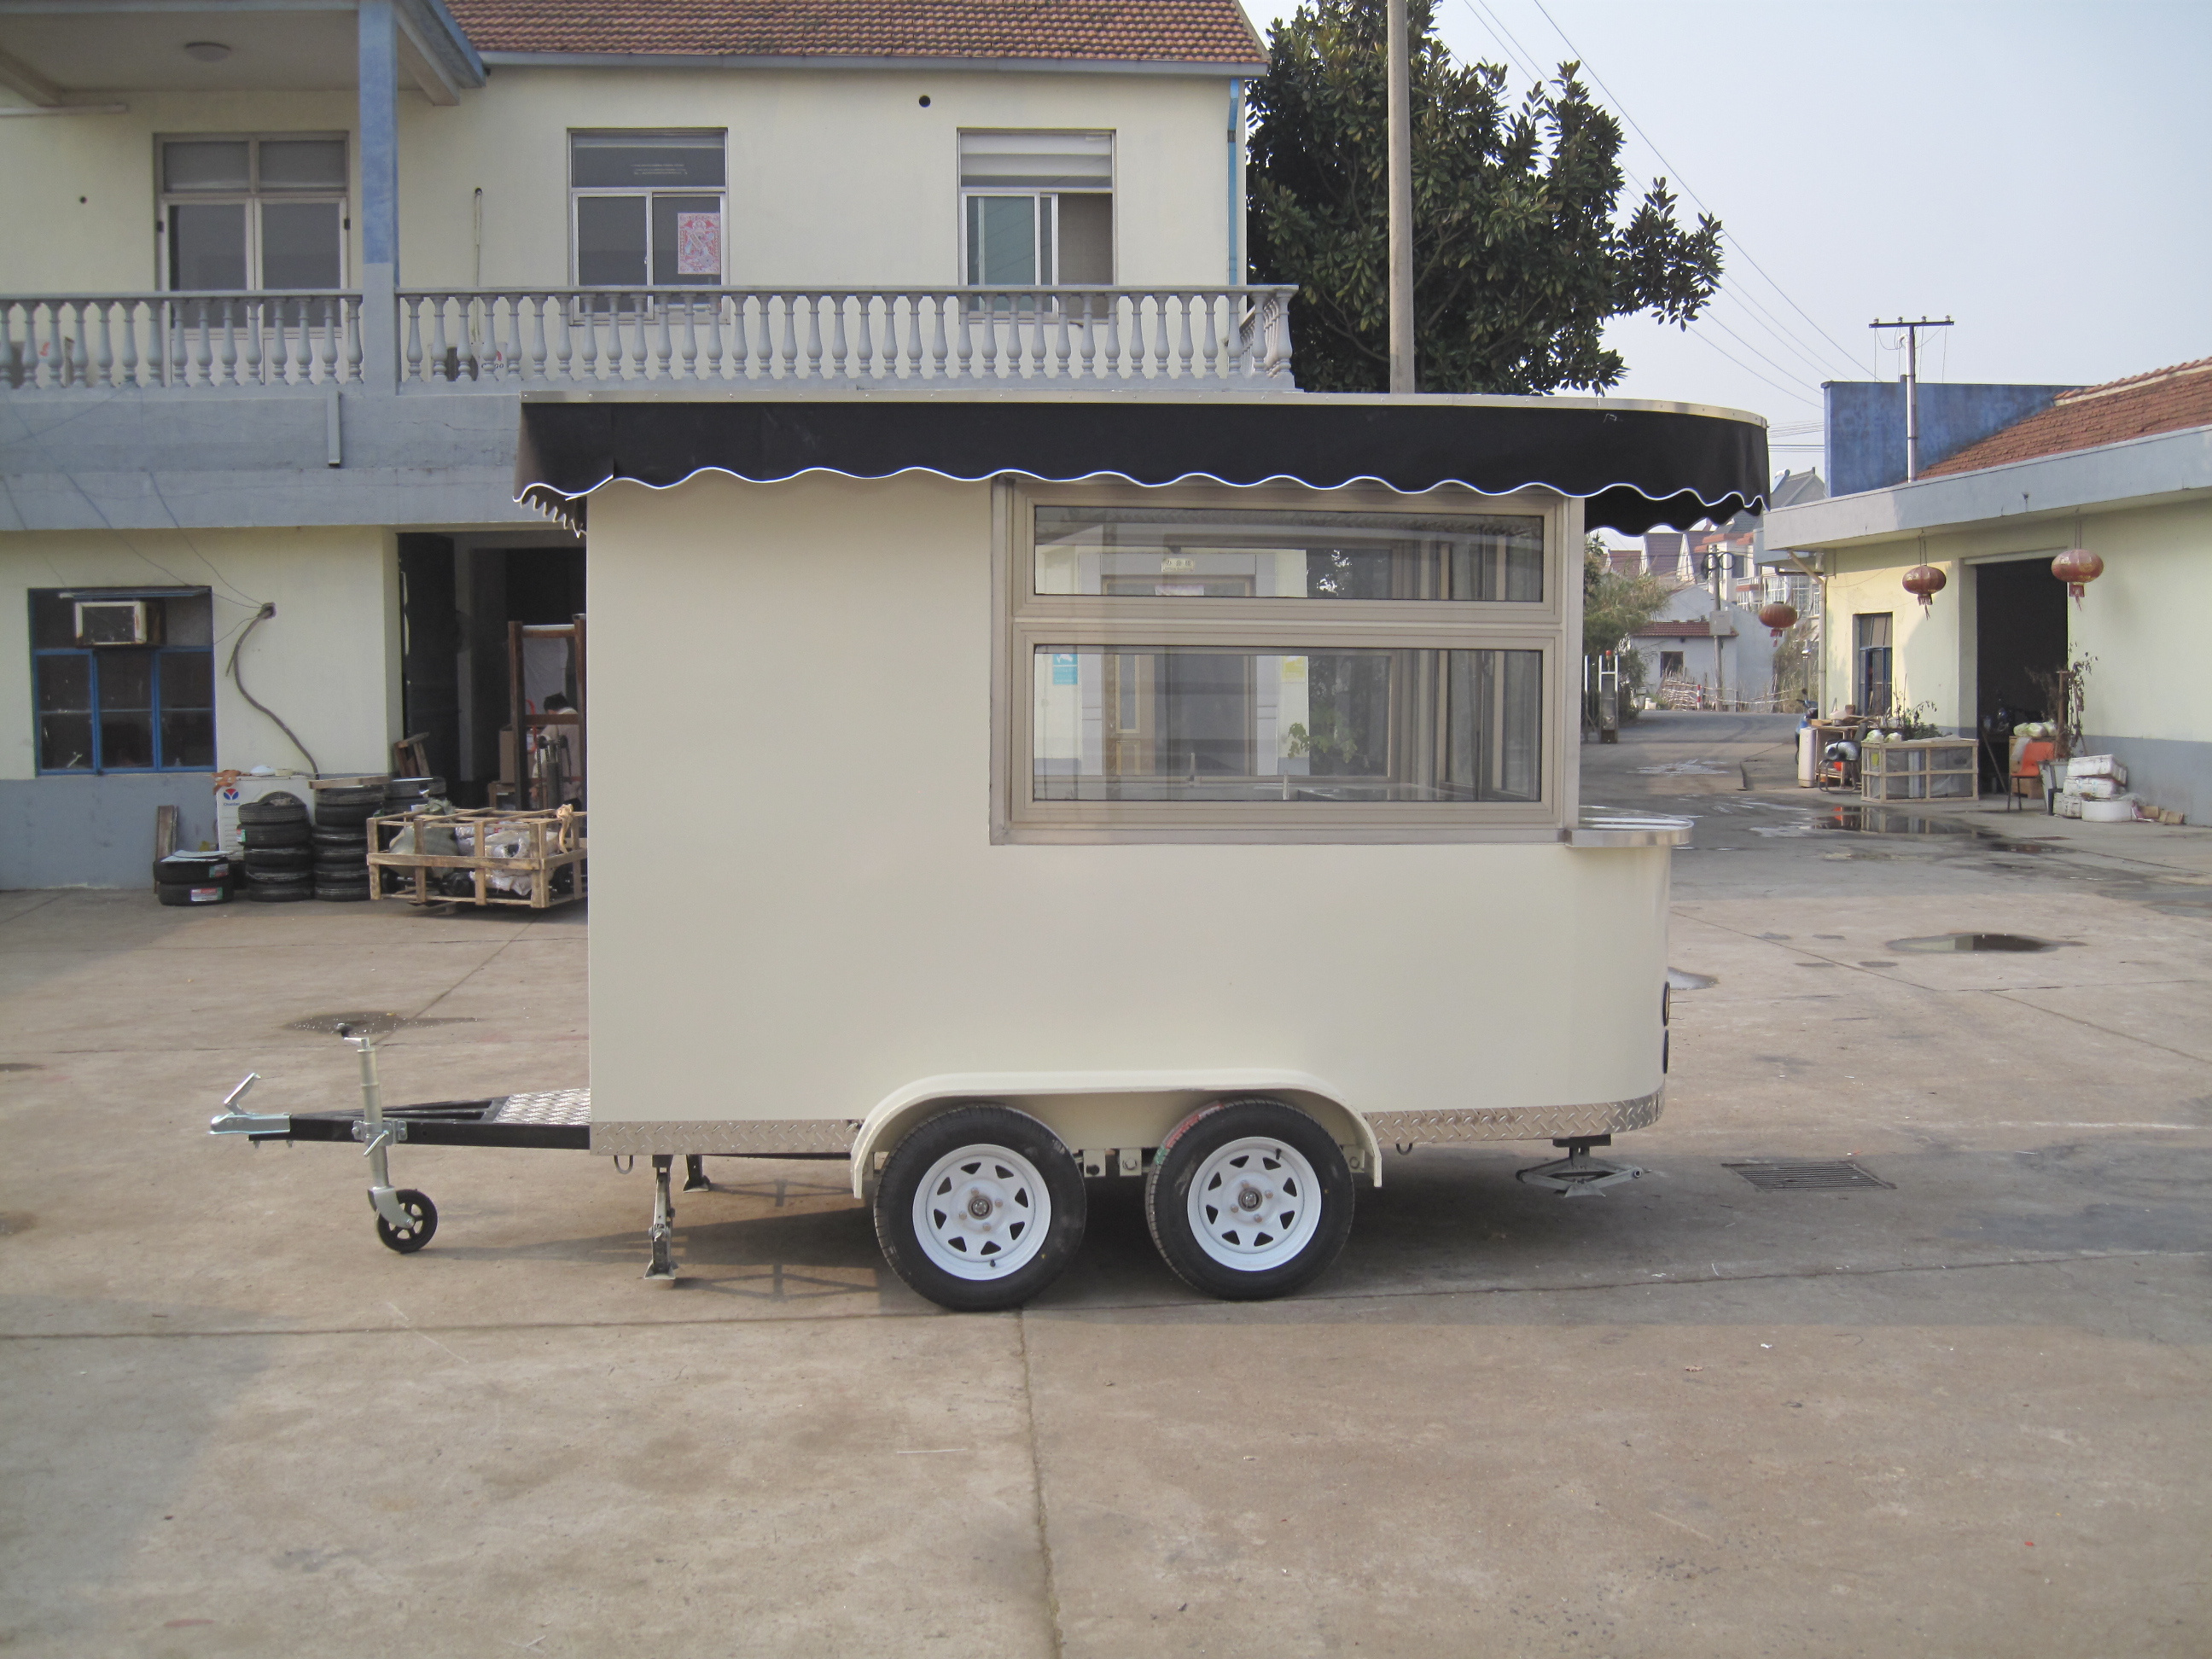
(96, 831)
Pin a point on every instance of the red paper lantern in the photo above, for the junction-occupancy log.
(2077, 566)
(1777, 616)
(1924, 582)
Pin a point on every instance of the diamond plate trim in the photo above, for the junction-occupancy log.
(1519, 1122)
(565, 1109)
(760, 1137)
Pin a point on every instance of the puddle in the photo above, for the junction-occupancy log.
(1680, 979)
(2011, 942)
(20, 1066)
(374, 1023)
(1864, 820)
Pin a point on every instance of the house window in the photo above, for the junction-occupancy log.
(1037, 209)
(125, 679)
(1870, 633)
(1670, 665)
(1191, 669)
(254, 213)
(646, 209)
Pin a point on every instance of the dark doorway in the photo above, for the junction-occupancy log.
(2020, 632)
(501, 586)
(430, 641)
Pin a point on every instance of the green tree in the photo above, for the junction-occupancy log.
(1615, 604)
(1519, 261)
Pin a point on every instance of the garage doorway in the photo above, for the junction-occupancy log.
(2019, 634)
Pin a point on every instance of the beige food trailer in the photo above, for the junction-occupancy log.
(1149, 785)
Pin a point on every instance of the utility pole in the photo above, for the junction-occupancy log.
(1401, 202)
(1912, 386)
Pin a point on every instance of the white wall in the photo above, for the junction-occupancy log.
(833, 177)
(328, 661)
(818, 915)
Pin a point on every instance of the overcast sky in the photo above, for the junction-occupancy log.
(2040, 172)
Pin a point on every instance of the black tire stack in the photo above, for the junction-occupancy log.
(341, 841)
(279, 855)
(184, 880)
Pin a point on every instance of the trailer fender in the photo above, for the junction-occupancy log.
(1152, 1102)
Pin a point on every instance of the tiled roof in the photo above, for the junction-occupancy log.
(2164, 400)
(1697, 629)
(1139, 31)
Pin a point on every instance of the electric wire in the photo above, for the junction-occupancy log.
(1677, 175)
(260, 617)
(1521, 59)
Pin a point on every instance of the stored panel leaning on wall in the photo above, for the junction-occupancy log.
(1278, 664)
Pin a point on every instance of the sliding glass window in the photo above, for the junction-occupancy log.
(1183, 667)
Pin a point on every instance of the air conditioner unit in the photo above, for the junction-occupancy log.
(110, 622)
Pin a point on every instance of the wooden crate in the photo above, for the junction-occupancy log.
(1920, 769)
(552, 842)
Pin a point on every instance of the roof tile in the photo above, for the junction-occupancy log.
(2162, 400)
(1170, 31)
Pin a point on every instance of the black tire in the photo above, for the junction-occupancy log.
(182, 898)
(989, 1128)
(277, 807)
(352, 797)
(279, 886)
(275, 835)
(1277, 1186)
(346, 832)
(352, 856)
(342, 895)
(192, 869)
(419, 1205)
(274, 861)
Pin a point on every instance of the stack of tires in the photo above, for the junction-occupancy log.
(279, 857)
(185, 879)
(341, 841)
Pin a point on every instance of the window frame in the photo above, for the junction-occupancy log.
(253, 198)
(1024, 620)
(647, 193)
(964, 192)
(160, 652)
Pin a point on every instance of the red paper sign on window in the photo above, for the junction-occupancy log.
(698, 245)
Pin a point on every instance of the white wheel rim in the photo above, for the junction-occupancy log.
(1254, 1204)
(982, 1212)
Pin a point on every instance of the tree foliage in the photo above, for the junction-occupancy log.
(1615, 603)
(1519, 260)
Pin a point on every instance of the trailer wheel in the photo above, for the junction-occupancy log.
(1250, 1199)
(408, 1240)
(980, 1208)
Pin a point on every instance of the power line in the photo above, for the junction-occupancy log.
(1524, 60)
(1677, 175)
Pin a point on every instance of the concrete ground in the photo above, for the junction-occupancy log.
(1963, 1413)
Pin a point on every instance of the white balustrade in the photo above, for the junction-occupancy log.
(54, 343)
(1218, 336)
(842, 337)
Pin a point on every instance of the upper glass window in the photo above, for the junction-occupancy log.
(1038, 208)
(1203, 553)
(254, 214)
(647, 208)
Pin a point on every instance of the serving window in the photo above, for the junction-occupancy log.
(1206, 663)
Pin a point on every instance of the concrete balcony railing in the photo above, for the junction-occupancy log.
(51, 342)
(484, 338)
(1092, 336)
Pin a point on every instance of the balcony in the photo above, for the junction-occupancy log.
(456, 340)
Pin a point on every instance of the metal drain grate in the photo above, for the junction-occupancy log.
(1801, 1178)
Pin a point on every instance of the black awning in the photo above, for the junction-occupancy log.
(1635, 466)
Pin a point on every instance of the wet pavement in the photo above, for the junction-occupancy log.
(1744, 1405)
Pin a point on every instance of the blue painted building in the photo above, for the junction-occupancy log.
(1866, 425)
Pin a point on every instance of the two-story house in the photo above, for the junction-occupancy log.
(273, 276)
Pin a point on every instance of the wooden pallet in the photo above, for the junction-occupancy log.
(555, 841)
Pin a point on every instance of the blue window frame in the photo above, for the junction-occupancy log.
(142, 706)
